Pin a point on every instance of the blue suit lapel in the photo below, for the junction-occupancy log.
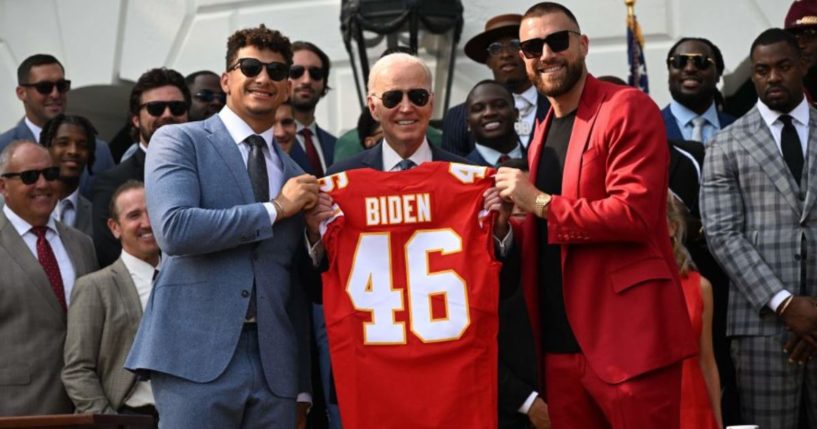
(221, 141)
(671, 125)
(327, 145)
(373, 158)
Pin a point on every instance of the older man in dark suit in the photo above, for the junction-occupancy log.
(39, 260)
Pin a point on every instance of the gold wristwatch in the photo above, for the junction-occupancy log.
(541, 203)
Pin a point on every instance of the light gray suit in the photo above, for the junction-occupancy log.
(760, 225)
(102, 321)
(32, 324)
(218, 242)
(83, 219)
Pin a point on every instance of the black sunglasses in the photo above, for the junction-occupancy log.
(315, 73)
(497, 48)
(700, 61)
(29, 177)
(805, 34)
(418, 97)
(208, 96)
(156, 108)
(558, 42)
(251, 67)
(46, 87)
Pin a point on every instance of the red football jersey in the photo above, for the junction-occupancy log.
(411, 297)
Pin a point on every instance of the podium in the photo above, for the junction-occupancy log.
(98, 421)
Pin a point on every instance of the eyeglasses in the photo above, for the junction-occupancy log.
(208, 96)
(251, 67)
(315, 73)
(418, 97)
(29, 177)
(46, 87)
(558, 42)
(497, 48)
(157, 108)
(805, 35)
(700, 61)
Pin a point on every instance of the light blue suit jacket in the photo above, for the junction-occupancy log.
(103, 161)
(217, 241)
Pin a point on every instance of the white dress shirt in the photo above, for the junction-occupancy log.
(491, 155)
(239, 131)
(66, 266)
(316, 141)
(800, 121)
(391, 158)
(34, 129)
(527, 120)
(684, 118)
(141, 273)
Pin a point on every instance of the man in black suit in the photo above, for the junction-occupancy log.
(160, 97)
(490, 117)
(498, 48)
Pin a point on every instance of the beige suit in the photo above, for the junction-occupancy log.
(32, 324)
(102, 321)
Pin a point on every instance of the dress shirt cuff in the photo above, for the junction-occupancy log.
(315, 251)
(273, 214)
(525, 407)
(778, 299)
(304, 397)
(502, 246)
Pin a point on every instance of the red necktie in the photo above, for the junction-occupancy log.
(502, 158)
(311, 152)
(49, 262)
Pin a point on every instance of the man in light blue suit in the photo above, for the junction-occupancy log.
(43, 89)
(224, 336)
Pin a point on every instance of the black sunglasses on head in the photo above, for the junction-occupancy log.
(315, 73)
(46, 87)
(558, 42)
(497, 48)
(208, 96)
(251, 67)
(156, 108)
(419, 97)
(29, 177)
(700, 61)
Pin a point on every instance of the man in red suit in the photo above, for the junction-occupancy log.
(600, 279)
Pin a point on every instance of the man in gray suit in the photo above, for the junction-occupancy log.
(43, 90)
(39, 260)
(224, 335)
(106, 307)
(758, 205)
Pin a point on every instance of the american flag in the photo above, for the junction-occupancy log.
(635, 54)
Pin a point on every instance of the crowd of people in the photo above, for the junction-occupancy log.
(561, 253)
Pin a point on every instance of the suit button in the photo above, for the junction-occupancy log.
(245, 293)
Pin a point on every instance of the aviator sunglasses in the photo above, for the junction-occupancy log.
(418, 97)
(208, 96)
(156, 108)
(251, 67)
(45, 87)
(497, 48)
(558, 42)
(29, 177)
(315, 73)
(701, 62)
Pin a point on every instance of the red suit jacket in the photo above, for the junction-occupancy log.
(620, 281)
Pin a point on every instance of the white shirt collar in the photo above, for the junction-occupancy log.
(73, 198)
(239, 130)
(391, 158)
(529, 94)
(491, 155)
(138, 267)
(313, 127)
(799, 113)
(34, 129)
(21, 226)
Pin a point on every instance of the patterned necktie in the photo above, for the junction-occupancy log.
(49, 263)
(257, 168)
(698, 123)
(406, 164)
(311, 152)
(791, 147)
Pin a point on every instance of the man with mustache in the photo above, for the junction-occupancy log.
(43, 90)
(104, 314)
(758, 207)
(498, 48)
(599, 275)
(160, 97)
